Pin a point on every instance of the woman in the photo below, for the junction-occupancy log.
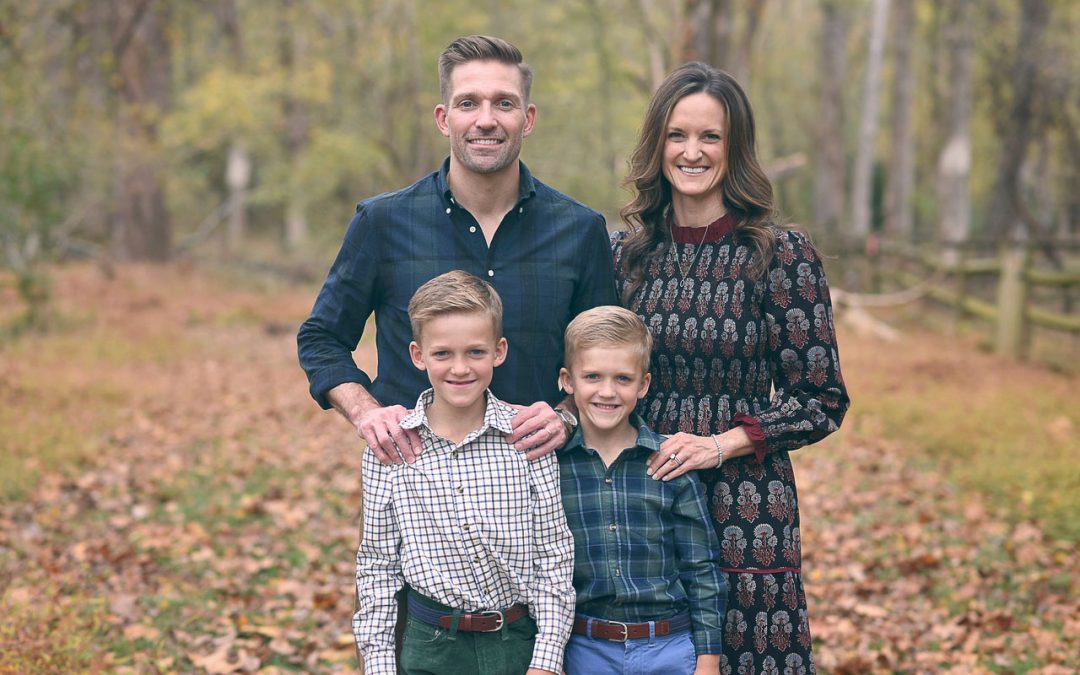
(745, 364)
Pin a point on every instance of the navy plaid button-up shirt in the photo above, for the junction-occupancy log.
(643, 549)
(550, 259)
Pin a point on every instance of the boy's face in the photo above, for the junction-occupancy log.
(606, 383)
(459, 352)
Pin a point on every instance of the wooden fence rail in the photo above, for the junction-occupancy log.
(949, 276)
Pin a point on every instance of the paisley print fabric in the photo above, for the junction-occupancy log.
(728, 350)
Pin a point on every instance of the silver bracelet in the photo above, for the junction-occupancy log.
(719, 451)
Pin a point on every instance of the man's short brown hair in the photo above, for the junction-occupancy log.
(455, 292)
(608, 326)
(481, 48)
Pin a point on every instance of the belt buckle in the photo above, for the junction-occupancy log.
(625, 631)
(498, 615)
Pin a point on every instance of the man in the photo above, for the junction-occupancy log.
(482, 212)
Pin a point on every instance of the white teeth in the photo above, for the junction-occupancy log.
(692, 169)
(485, 141)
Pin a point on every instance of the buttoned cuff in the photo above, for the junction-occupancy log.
(707, 642)
(547, 654)
(379, 662)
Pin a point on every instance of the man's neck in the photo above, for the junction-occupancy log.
(454, 423)
(488, 197)
(609, 443)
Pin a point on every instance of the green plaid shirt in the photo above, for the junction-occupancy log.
(643, 549)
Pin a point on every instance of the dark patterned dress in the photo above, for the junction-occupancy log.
(733, 351)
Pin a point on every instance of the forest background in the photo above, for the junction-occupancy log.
(176, 176)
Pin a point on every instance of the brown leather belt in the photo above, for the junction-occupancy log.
(486, 622)
(477, 622)
(616, 631)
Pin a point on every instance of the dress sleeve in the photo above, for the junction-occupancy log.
(551, 596)
(378, 571)
(809, 396)
(327, 338)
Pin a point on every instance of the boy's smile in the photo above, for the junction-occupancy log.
(606, 383)
(459, 352)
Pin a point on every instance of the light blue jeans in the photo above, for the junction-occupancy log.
(671, 655)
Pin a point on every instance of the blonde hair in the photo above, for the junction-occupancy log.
(454, 292)
(608, 326)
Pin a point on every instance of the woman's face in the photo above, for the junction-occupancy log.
(695, 147)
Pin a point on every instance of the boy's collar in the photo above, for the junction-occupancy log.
(646, 437)
(497, 415)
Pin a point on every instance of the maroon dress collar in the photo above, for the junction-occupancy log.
(714, 232)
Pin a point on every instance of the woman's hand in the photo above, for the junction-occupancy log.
(691, 453)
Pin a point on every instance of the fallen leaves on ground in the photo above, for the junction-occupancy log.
(216, 529)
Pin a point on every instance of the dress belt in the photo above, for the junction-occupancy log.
(617, 631)
(477, 622)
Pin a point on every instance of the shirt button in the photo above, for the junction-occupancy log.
(613, 527)
(472, 228)
(618, 572)
(521, 209)
(465, 526)
(608, 481)
(461, 489)
(491, 273)
(448, 209)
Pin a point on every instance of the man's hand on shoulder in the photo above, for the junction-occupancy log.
(381, 430)
(538, 430)
(378, 425)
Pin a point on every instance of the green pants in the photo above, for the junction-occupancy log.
(431, 650)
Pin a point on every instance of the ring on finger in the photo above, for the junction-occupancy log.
(675, 458)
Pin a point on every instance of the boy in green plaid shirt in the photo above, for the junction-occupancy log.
(650, 594)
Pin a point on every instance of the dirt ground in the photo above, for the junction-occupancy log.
(208, 520)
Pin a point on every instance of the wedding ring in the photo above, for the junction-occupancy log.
(675, 458)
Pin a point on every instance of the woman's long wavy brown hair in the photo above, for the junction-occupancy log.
(744, 187)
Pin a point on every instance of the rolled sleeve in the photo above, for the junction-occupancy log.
(327, 338)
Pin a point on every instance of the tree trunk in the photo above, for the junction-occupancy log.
(901, 177)
(1004, 220)
(864, 159)
(296, 129)
(954, 162)
(606, 119)
(141, 49)
(238, 164)
(829, 191)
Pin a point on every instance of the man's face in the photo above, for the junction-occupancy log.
(487, 116)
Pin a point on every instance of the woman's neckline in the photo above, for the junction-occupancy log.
(714, 231)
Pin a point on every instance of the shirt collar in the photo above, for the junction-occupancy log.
(526, 183)
(647, 439)
(497, 415)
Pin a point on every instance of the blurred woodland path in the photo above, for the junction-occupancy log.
(204, 518)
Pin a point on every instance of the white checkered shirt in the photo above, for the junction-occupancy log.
(474, 526)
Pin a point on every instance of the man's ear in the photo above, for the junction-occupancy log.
(564, 381)
(417, 356)
(530, 119)
(500, 351)
(440, 120)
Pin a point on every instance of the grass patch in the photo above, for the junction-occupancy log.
(1003, 429)
(45, 631)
